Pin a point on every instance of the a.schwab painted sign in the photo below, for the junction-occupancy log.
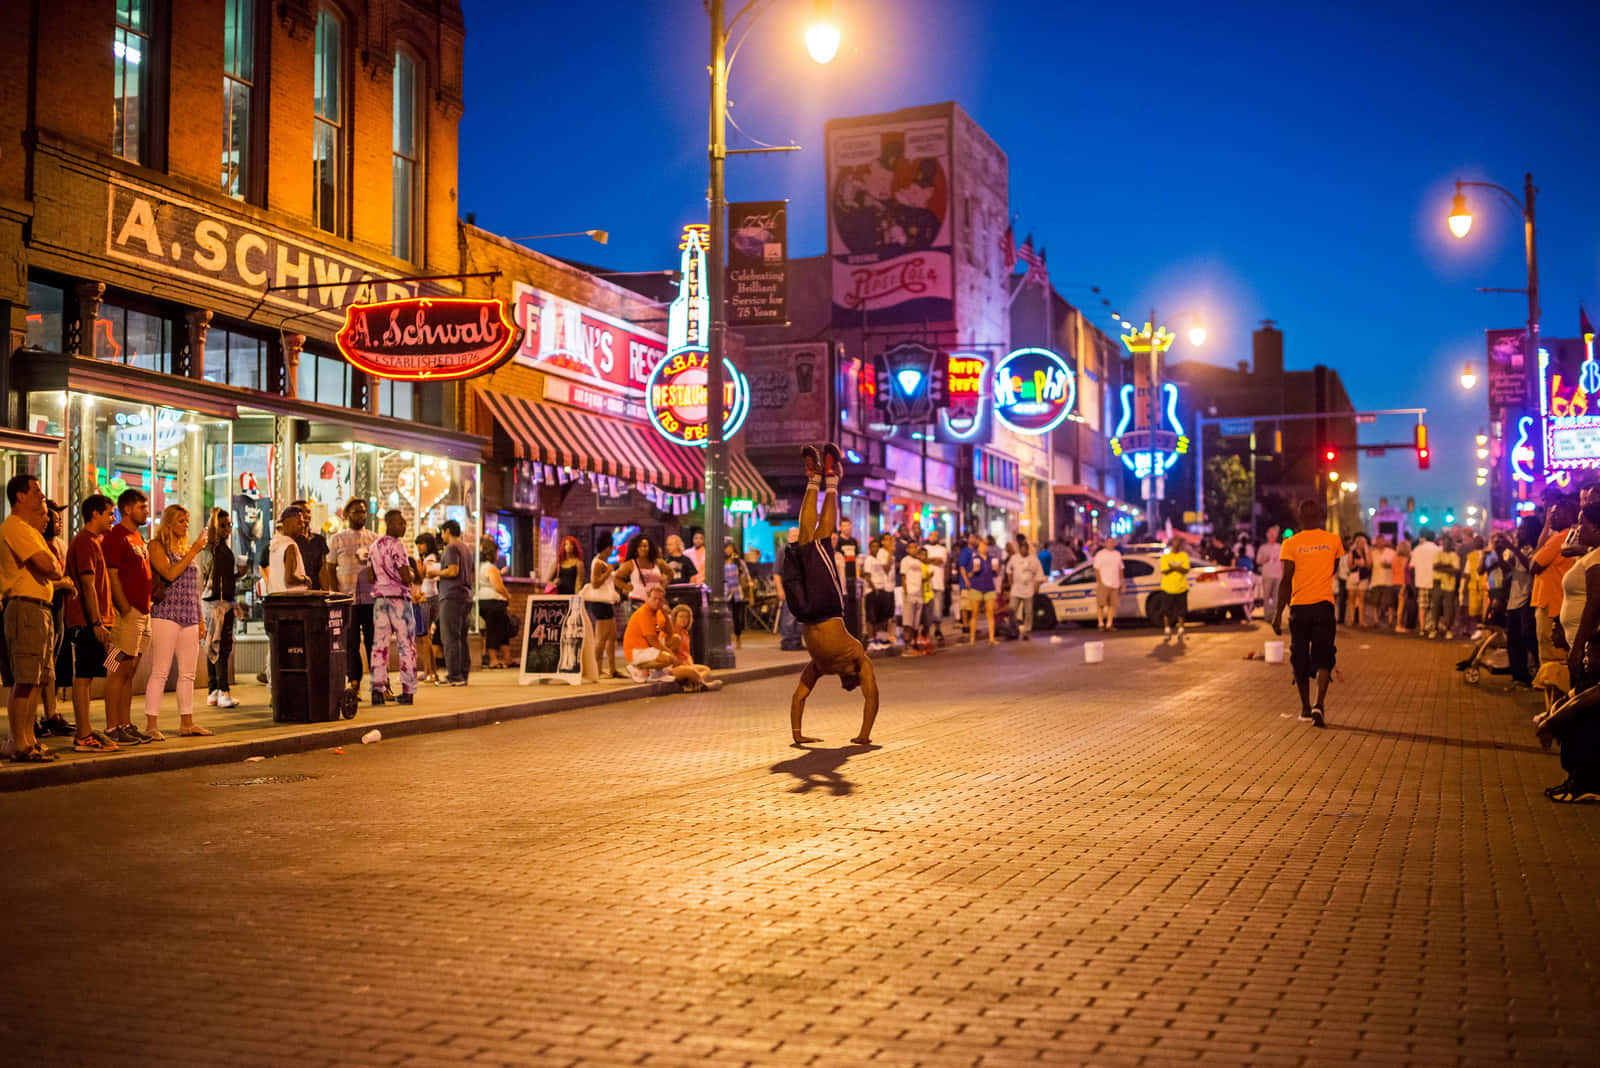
(582, 344)
(201, 242)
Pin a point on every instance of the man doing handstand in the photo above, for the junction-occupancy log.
(813, 592)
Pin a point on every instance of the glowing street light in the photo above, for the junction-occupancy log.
(1197, 335)
(1469, 377)
(1460, 217)
(822, 37)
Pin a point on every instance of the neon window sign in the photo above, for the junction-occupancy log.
(1572, 420)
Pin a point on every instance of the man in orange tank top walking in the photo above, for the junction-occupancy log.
(1309, 560)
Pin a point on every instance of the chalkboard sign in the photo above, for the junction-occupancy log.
(556, 641)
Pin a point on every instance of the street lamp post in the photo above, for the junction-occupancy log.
(1461, 223)
(821, 40)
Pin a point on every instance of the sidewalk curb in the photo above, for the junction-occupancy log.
(345, 732)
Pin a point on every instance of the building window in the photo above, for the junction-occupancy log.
(407, 157)
(46, 317)
(134, 338)
(238, 90)
(131, 59)
(396, 399)
(235, 359)
(329, 128)
(324, 379)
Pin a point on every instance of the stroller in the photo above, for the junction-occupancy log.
(1488, 653)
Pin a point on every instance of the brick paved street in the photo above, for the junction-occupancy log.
(1147, 860)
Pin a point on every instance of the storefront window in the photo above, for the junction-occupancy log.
(324, 379)
(46, 316)
(396, 399)
(135, 338)
(193, 465)
(14, 462)
(427, 490)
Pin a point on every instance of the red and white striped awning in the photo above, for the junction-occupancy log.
(588, 441)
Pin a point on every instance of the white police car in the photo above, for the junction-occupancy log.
(1217, 591)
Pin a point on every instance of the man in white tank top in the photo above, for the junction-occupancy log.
(286, 571)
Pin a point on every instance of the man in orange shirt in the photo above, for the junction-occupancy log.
(648, 644)
(1309, 560)
(1549, 566)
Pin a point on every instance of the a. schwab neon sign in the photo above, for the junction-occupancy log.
(1143, 460)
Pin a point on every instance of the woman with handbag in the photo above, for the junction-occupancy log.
(600, 599)
(174, 620)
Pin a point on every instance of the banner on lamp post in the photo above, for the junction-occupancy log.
(758, 263)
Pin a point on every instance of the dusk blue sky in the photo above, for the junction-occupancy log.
(1290, 161)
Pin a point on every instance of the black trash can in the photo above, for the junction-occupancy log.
(307, 634)
(697, 596)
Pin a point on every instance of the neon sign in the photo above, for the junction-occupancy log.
(963, 418)
(1145, 452)
(691, 308)
(427, 338)
(1522, 452)
(677, 397)
(1034, 390)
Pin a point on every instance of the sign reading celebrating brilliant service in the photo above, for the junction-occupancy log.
(758, 275)
(427, 338)
(1034, 390)
(677, 397)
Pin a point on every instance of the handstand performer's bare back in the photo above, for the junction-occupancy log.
(834, 650)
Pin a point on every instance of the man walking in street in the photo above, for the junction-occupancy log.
(128, 569)
(456, 579)
(1107, 585)
(1270, 567)
(389, 572)
(1026, 577)
(1309, 559)
(28, 571)
(813, 593)
(350, 551)
(1174, 568)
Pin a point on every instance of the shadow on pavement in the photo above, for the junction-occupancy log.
(1435, 739)
(1171, 650)
(820, 768)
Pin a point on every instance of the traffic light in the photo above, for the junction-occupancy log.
(1422, 447)
(1330, 454)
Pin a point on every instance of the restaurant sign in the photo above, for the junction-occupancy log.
(563, 338)
(426, 338)
(677, 397)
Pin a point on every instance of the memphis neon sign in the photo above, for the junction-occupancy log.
(677, 397)
(427, 338)
(1034, 390)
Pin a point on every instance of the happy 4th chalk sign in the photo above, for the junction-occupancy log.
(427, 338)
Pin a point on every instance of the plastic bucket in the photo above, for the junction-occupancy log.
(1094, 652)
(1274, 652)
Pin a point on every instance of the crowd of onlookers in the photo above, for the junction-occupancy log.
(105, 602)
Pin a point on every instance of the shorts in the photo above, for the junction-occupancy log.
(600, 610)
(30, 643)
(88, 655)
(1313, 629)
(644, 674)
(1107, 596)
(917, 613)
(811, 584)
(131, 633)
(971, 599)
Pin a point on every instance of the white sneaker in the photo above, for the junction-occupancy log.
(211, 698)
(225, 700)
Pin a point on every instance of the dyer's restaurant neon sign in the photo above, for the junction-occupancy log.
(427, 338)
(676, 397)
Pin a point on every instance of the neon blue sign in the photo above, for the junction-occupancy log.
(1034, 390)
(1522, 452)
(1145, 453)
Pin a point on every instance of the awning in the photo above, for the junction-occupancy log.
(1080, 490)
(589, 441)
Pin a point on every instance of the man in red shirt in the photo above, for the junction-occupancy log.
(88, 619)
(128, 569)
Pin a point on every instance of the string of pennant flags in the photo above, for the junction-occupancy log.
(611, 486)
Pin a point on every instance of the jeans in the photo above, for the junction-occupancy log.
(1522, 642)
(360, 627)
(453, 613)
(219, 651)
(392, 618)
(167, 639)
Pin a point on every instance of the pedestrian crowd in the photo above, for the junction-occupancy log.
(109, 601)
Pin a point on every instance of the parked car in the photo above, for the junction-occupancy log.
(1214, 591)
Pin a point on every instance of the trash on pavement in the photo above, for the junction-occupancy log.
(372, 736)
(254, 760)
(338, 750)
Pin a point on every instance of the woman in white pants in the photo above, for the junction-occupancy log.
(174, 620)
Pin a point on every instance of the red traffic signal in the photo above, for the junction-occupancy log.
(1422, 447)
(1330, 455)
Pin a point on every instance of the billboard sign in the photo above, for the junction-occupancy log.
(758, 264)
(889, 224)
(790, 398)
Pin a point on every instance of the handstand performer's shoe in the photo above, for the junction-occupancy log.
(832, 463)
(808, 456)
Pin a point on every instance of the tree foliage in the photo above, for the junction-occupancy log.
(1228, 493)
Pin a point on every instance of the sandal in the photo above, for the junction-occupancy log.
(155, 735)
(195, 731)
(34, 754)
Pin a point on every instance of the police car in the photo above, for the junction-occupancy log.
(1214, 590)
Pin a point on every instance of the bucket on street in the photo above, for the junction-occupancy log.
(1094, 652)
(1274, 652)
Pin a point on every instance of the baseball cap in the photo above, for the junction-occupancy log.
(289, 512)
